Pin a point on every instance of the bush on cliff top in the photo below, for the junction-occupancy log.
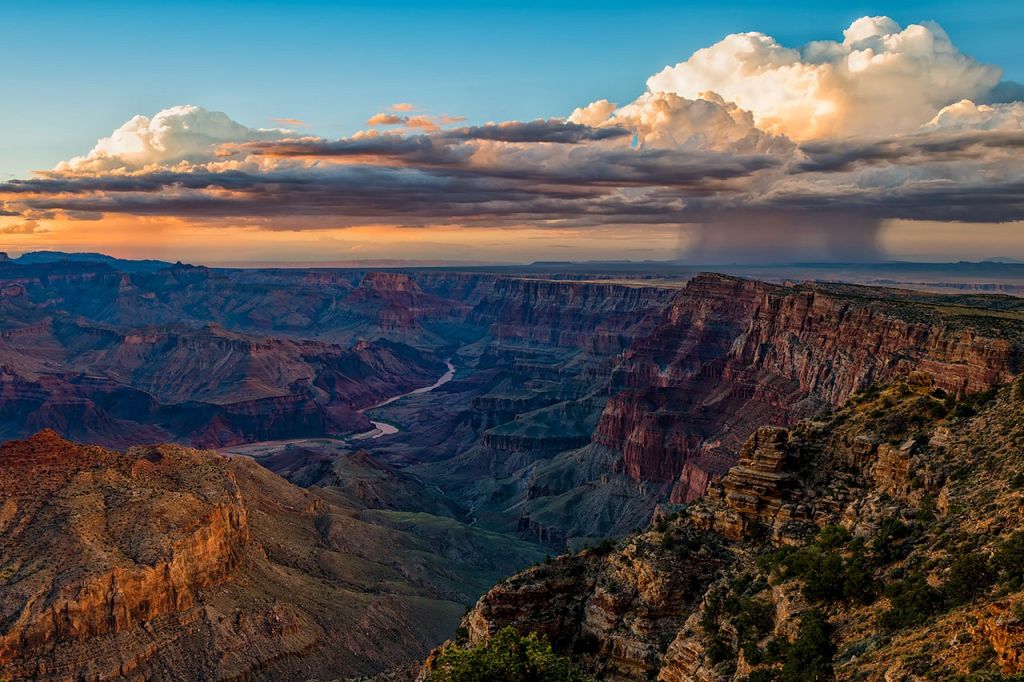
(505, 657)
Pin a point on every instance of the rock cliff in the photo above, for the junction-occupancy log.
(735, 354)
(881, 541)
(164, 562)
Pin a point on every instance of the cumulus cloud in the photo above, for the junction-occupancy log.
(775, 153)
(182, 133)
(879, 78)
(966, 115)
(385, 119)
(661, 120)
(420, 122)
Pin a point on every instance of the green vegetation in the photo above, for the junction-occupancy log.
(750, 615)
(913, 601)
(889, 542)
(810, 657)
(832, 568)
(505, 657)
(970, 576)
(1009, 561)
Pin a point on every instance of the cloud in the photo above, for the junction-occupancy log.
(402, 106)
(24, 227)
(183, 133)
(421, 122)
(880, 78)
(966, 115)
(551, 130)
(1006, 91)
(773, 152)
(385, 119)
(661, 120)
(293, 122)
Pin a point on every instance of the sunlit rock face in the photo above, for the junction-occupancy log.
(735, 354)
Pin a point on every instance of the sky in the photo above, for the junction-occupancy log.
(323, 71)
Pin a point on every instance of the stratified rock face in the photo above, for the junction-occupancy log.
(97, 545)
(595, 316)
(835, 517)
(169, 563)
(756, 488)
(204, 386)
(616, 609)
(733, 354)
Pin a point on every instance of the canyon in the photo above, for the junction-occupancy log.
(169, 562)
(231, 426)
(880, 541)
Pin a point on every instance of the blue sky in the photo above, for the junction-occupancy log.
(75, 71)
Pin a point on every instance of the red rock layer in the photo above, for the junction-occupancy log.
(97, 543)
(734, 354)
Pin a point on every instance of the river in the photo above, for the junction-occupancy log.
(383, 428)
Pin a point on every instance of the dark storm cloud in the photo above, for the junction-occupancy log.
(553, 172)
(911, 150)
(410, 180)
(541, 130)
(404, 195)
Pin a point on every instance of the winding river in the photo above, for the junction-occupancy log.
(383, 428)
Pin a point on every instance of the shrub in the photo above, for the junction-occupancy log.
(810, 657)
(505, 657)
(858, 584)
(768, 675)
(1009, 559)
(753, 621)
(832, 537)
(826, 575)
(717, 649)
(888, 543)
(913, 601)
(970, 576)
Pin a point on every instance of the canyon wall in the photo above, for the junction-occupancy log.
(734, 354)
(164, 562)
(898, 487)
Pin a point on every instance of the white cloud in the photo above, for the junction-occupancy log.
(661, 120)
(594, 114)
(880, 79)
(181, 133)
(966, 115)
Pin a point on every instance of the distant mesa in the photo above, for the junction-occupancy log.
(123, 264)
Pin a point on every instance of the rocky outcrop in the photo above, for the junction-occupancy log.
(97, 544)
(714, 594)
(754, 491)
(734, 354)
(164, 562)
(616, 609)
